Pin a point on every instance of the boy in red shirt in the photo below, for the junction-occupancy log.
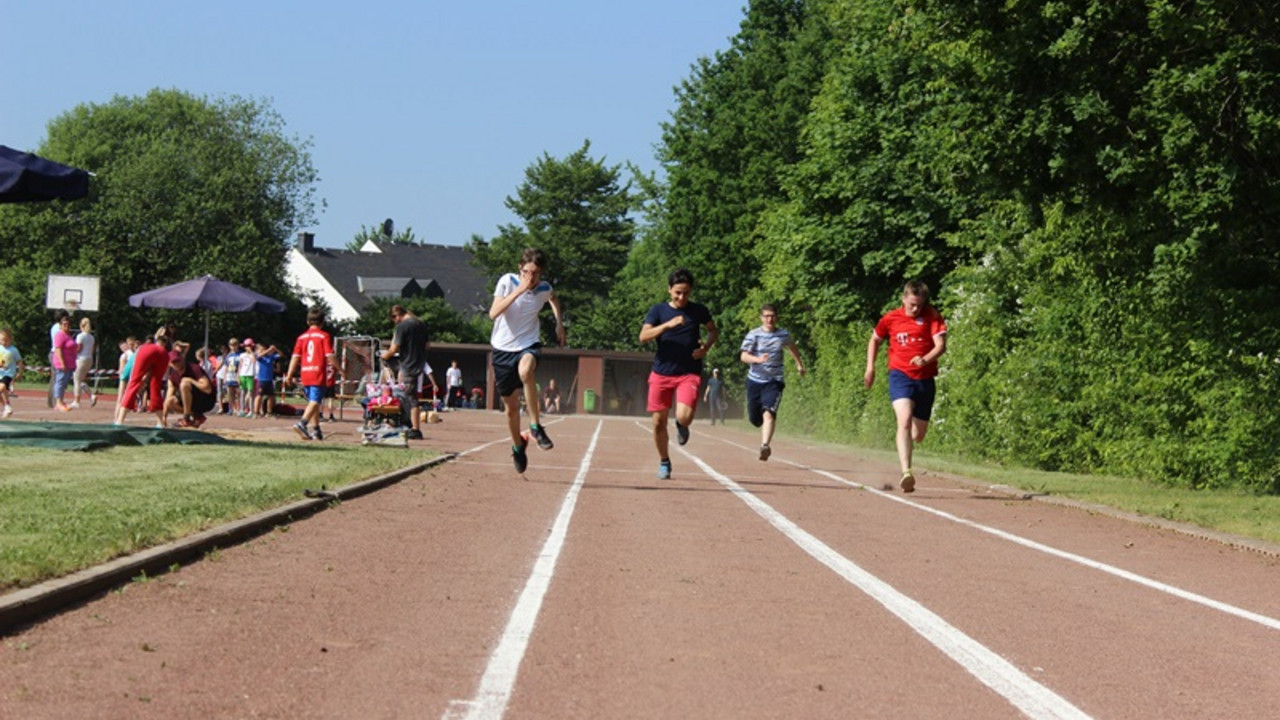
(917, 336)
(313, 351)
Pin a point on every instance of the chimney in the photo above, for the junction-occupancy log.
(306, 242)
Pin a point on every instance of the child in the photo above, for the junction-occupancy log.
(917, 336)
(762, 350)
(677, 365)
(264, 381)
(10, 369)
(313, 352)
(517, 346)
(248, 368)
(125, 367)
(230, 378)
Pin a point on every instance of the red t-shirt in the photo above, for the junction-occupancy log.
(315, 347)
(909, 337)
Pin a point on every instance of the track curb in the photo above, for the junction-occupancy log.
(33, 603)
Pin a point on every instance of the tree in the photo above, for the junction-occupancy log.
(444, 323)
(383, 233)
(183, 186)
(578, 212)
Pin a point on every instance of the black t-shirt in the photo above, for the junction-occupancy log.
(411, 339)
(675, 346)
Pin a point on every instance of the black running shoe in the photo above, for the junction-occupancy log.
(540, 434)
(413, 435)
(518, 455)
(765, 452)
(301, 429)
(316, 434)
(682, 433)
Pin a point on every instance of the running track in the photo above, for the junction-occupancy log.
(795, 588)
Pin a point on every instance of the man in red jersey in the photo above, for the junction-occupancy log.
(917, 336)
(313, 351)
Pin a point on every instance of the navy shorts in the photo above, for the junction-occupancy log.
(763, 397)
(919, 392)
(506, 368)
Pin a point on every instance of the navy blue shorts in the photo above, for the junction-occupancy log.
(506, 368)
(762, 397)
(919, 392)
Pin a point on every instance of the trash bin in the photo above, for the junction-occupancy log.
(589, 400)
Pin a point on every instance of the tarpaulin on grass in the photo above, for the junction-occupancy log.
(80, 436)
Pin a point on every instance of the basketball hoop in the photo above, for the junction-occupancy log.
(72, 305)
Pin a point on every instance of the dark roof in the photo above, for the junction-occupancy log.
(404, 271)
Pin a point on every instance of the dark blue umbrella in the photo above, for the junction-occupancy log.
(29, 178)
(206, 293)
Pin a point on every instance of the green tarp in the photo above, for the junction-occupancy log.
(78, 436)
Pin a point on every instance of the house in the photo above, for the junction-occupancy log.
(348, 280)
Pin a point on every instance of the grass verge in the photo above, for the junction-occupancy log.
(61, 512)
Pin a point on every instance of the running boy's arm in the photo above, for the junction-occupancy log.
(528, 281)
(873, 347)
(705, 346)
(939, 347)
(795, 353)
(651, 332)
(555, 310)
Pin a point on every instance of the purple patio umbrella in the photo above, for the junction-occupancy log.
(207, 293)
(30, 178)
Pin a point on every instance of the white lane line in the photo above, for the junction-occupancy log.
(1208, 602)
(1030, 697)
(490, 701)
(1264, 620)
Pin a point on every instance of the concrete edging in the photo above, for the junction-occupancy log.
(38, 601)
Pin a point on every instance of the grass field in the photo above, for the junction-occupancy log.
(65, 511)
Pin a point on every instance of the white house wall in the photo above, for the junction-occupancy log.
(305, 279)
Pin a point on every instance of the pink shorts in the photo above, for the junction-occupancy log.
(664, 388)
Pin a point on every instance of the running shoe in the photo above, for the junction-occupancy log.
(301, 428)
(518, 455)
(8, 410)
(908, 482)
(413, 435)
(540, 434)
(62, 408)
(682, 433)
(93, 400)
(75, 405)
(198, 420)
(664, 469)
(316, 434)
(765, 452)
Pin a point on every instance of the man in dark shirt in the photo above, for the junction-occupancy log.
(410, 344)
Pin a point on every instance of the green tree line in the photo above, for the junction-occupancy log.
(1091, 188)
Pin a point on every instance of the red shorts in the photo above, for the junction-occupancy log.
(683, 389)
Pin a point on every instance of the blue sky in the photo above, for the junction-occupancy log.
(424, 112)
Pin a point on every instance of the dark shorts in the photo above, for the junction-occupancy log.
(919, 392)
(6, 382)
(202, 403)
(410, 380)
(763, 397)
(264, 388)
(506, 368)
(331, 391)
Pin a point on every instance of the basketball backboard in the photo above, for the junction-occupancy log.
(72, 292)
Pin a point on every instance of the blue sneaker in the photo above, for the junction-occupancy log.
(664, 470)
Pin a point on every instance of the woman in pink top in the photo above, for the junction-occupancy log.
(64, 361)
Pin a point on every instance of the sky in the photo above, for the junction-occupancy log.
(424, 112)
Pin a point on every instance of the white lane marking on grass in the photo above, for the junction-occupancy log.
(490, 701)
(1030, 697)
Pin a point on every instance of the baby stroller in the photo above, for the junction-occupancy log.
(386, 413)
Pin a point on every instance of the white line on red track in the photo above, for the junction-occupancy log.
(1030, 697)
(490, 701)
(1264, 620)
